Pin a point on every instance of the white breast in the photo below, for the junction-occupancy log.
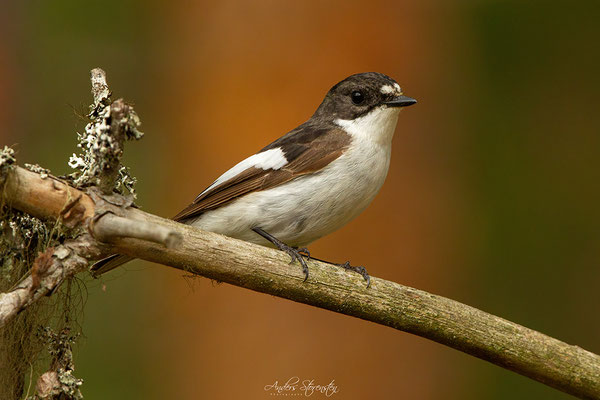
(312, 206)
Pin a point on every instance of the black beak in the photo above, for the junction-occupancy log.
(400, 101)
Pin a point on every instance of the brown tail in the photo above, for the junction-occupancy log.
(108, 264)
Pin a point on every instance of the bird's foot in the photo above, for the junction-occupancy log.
(359, 270)
(294, 252)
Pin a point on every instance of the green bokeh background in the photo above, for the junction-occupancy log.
(503, 158)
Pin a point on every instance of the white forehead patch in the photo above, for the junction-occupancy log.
(387, 89)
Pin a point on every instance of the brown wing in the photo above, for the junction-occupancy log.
(307, 158)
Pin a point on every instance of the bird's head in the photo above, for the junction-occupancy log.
(359, 94)
(365, 104)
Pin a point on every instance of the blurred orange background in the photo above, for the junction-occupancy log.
(491, 199)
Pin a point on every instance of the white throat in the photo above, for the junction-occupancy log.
(378, 125)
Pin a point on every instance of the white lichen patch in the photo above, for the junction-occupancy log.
(126, 182)
(7, 157)
(20, 228)
(21, 238)
(61, 382)
(37, 169)
(102, 150)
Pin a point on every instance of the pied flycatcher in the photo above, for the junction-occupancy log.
(309, 182)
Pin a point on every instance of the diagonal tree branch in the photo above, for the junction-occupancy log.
(535, 355)
(108, 223)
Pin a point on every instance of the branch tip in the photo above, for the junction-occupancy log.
(110, 227)
(100, 89)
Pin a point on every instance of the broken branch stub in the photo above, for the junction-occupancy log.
(112, 123)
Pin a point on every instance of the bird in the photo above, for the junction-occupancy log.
(311, 181)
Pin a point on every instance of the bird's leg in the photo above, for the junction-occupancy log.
(359, 270)
(293, 252)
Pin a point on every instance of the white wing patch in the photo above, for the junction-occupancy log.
(270, 159)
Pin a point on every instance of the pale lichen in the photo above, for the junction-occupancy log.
(111, 123)
(38, 170)
(126, 182)
(7, 159)
(59, 382)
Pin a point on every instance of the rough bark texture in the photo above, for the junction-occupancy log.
(46, 198)
(512, 346)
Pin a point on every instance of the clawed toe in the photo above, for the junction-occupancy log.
(359, 270)
(297, 254)
(304, 251)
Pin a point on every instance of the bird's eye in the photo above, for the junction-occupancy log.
(357, 97)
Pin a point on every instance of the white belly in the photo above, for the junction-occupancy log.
(309, 207)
